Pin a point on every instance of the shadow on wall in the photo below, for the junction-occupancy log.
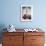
(2, 26)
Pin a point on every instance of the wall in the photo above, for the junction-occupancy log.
(10, 13)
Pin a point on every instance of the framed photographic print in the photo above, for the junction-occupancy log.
(26, 12)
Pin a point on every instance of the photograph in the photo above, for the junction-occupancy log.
(26, 13)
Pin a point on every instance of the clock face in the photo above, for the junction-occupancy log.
(26, 13)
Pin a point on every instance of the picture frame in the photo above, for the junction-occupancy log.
(26, 12)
